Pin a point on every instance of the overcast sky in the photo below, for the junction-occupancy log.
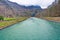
(42, 3)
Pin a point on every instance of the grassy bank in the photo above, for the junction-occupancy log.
(10, 21)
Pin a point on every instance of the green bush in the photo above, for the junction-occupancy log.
(1, 18)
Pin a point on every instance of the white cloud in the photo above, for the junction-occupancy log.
(42, 3)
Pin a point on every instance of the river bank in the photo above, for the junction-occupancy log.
(56, 19)
(4, 24)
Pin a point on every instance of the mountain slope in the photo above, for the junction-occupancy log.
(11, 9)
(52, 11)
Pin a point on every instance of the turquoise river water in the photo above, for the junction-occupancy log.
(32, 29)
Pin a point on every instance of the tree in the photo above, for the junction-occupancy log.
(1, 18)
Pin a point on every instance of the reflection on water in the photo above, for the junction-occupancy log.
(32, 29)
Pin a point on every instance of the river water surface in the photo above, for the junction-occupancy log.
(32, 29)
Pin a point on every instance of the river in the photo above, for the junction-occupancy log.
(32, 29)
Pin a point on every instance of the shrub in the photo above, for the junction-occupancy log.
(1, 18)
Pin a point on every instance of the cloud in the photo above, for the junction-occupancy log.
(42, 3)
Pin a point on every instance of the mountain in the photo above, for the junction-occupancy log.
(33, 7)
(12, 9)
(52, 11)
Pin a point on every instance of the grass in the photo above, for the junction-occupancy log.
(10, 21)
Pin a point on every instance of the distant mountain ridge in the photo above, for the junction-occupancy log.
(11, 9)
(33, 7)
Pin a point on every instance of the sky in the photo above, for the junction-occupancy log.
(42, 3)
